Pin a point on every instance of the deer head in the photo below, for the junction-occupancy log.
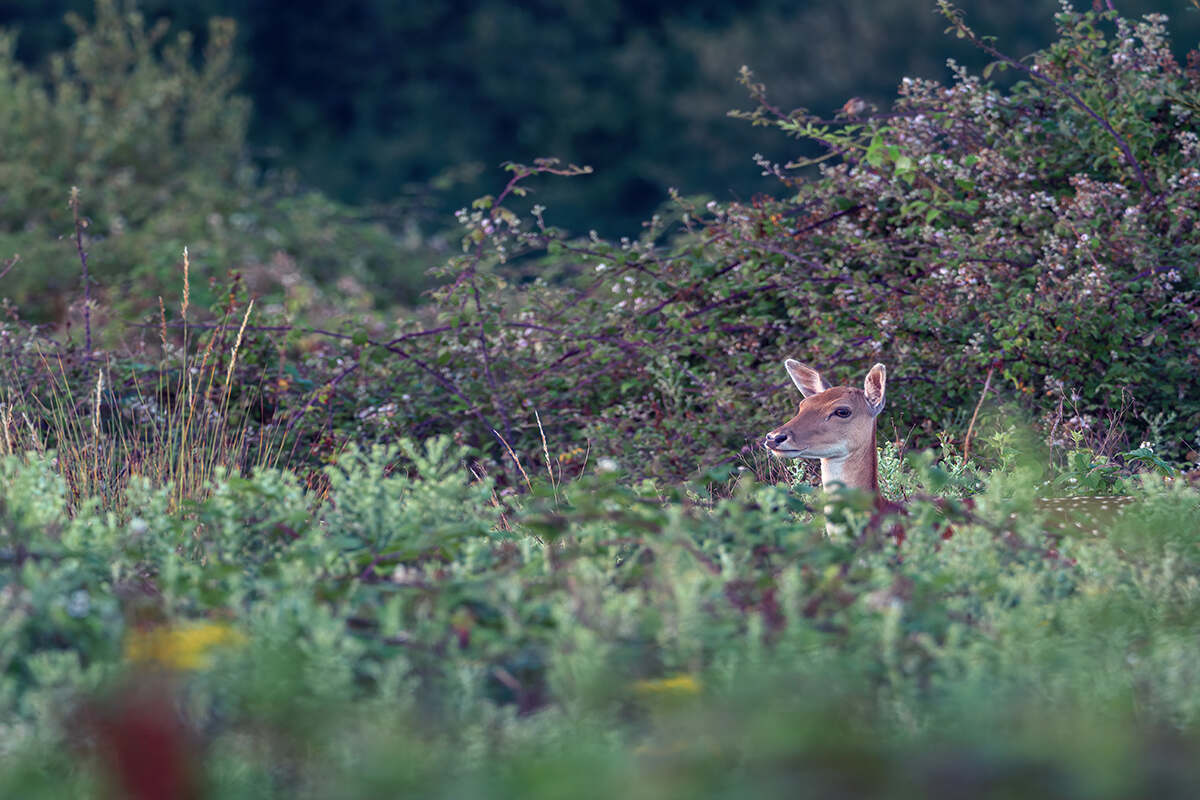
(835, 424)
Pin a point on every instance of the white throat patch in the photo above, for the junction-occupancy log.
(833, 471)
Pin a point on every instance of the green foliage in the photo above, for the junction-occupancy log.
(405, 620)
(369, 98)
(1039, 232)
(1042, 231)
(154, 137)
(637, 636)
(1040, 236)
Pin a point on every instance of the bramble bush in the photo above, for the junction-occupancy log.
(1038, 240)
(1043, 235)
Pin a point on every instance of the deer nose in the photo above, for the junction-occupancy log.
(776, 438)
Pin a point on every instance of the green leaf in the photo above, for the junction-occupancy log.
(875, 151)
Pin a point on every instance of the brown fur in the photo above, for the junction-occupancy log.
(845, 444)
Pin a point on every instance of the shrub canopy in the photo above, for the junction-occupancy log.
(1046, 233)
(154, 136)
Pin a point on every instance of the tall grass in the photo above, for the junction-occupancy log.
(178, 425)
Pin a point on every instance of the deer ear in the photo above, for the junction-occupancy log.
(875, 386)
(807, 379)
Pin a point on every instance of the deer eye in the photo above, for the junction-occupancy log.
(842, 412)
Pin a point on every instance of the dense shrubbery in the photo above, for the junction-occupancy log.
(157, 148)
(1048, 233)
(1043, 234)
(588, 632)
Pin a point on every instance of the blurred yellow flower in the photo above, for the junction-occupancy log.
(184, 647)
(678, 685)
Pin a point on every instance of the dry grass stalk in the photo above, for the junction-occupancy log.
(546, 453)
(237, 346)
(7, 420)
(515, 458)
(971, 427)
(162, 324)
(180, 434)
(187, 288)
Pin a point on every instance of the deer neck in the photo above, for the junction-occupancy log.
(857, 470)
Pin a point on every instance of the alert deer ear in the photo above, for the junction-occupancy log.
(807, 379)
(875, 387)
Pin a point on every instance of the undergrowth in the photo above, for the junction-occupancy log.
(175, 423)
(625, 637)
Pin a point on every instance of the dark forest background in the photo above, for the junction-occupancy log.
(413, 106)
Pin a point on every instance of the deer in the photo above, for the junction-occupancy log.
(836, 424)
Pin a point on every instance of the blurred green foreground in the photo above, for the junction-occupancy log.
(416, 635)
